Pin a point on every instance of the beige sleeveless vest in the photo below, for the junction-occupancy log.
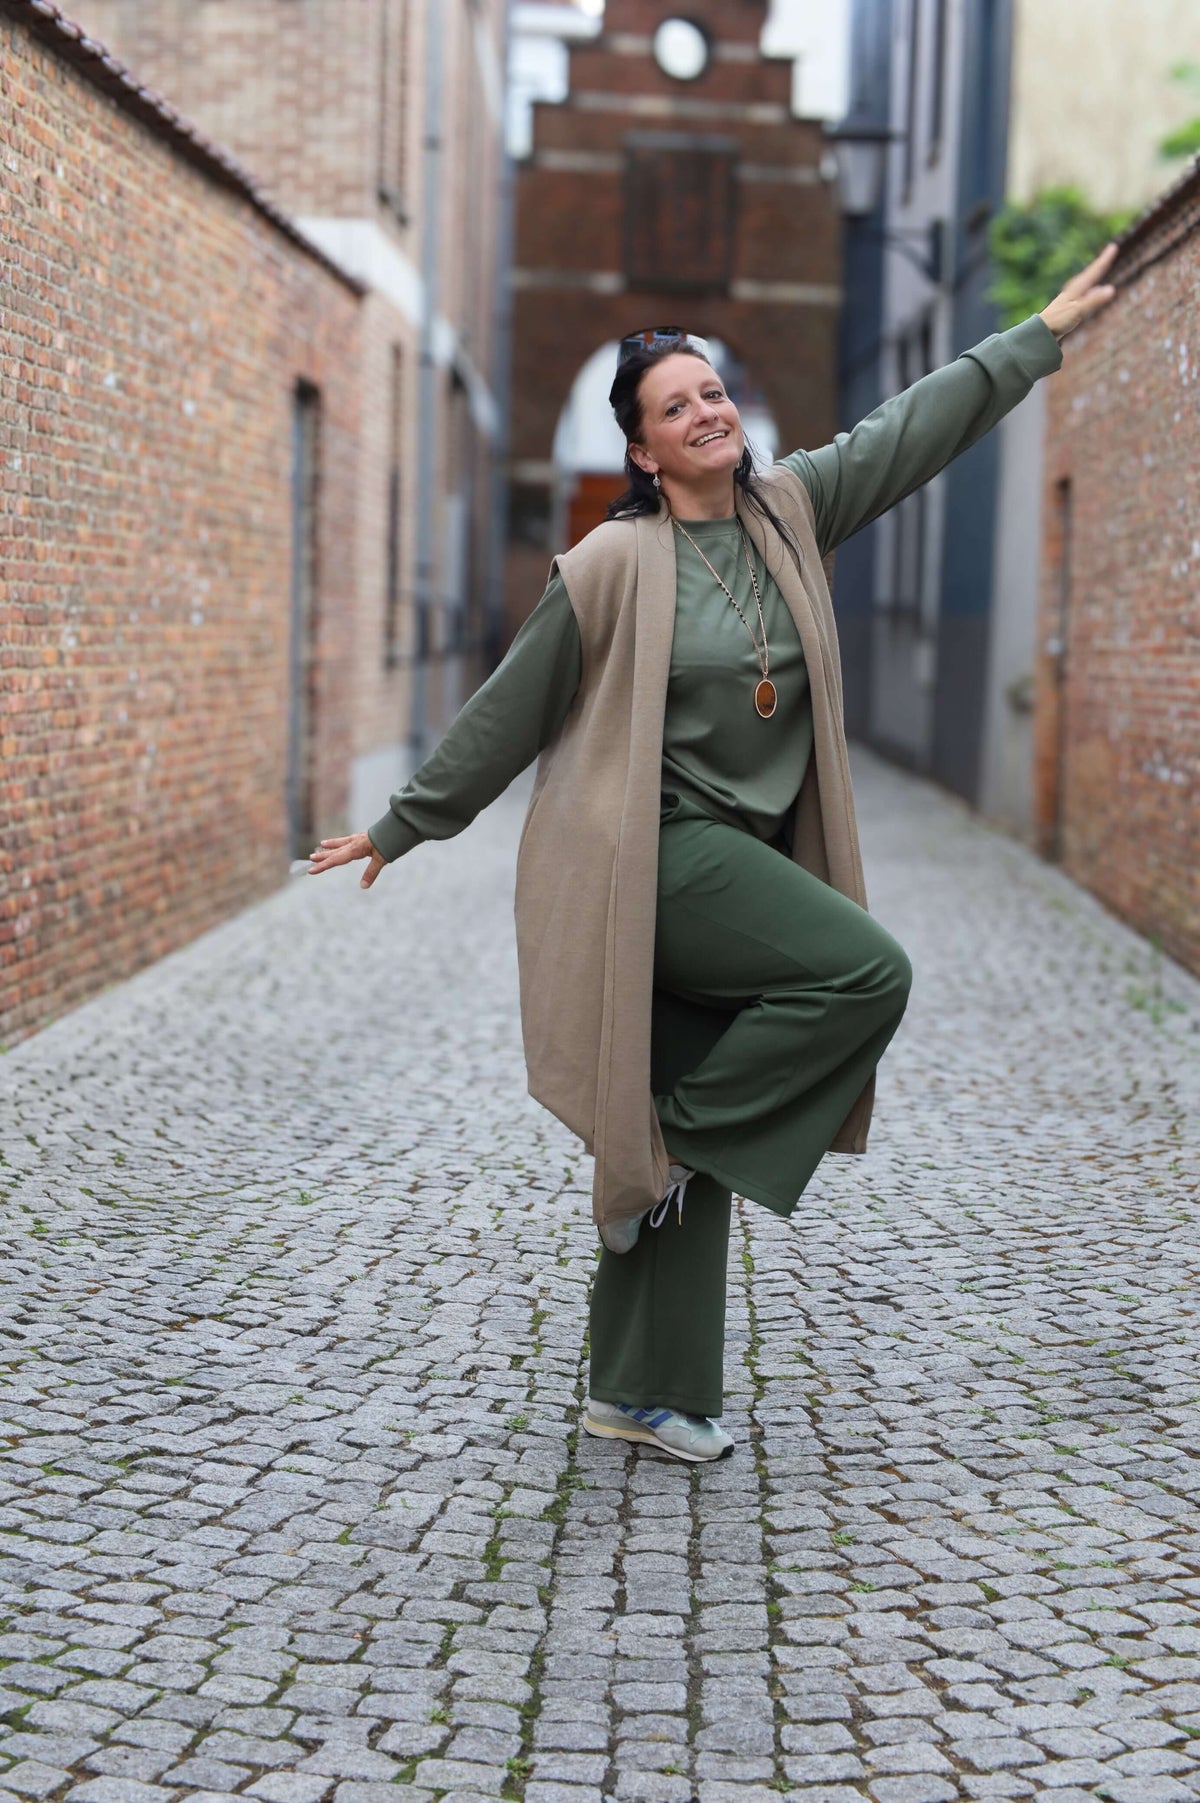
(587, 863)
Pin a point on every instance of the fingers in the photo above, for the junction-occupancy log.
(349, 848)
(1088, 277)
(328, 859)
(1099, 297)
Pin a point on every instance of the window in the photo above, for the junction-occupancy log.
(394, 59)
(937, 80)
(981, 90)
(301, 766)
(681, 49)
(679, 206)
(393, 591)
(1054, 709)
(910, 113)
(910, 530)
(908, 574)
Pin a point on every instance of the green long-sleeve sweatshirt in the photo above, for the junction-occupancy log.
(716, 748)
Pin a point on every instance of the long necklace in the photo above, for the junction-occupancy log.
(765, 695)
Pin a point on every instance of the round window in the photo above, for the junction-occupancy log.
(680, 49)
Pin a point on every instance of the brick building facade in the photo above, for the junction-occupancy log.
(248, 431)
(1117, 769)
(169, 344)
(378, 127)
(648, 200)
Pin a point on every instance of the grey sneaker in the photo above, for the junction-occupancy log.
(621, 1236)
(691, 1437)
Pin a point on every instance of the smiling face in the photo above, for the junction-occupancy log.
(690, 428)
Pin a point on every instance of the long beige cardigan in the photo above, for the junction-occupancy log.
(587, 863)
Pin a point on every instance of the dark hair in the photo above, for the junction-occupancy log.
(624, 397)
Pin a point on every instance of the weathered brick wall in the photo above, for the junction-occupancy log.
(295, 88)
(1118, 706)
(155, 325)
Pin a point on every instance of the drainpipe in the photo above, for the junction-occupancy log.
(427, 407)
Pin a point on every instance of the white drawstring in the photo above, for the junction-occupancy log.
(658, 1213)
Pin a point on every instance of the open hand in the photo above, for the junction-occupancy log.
(348, 850)
(1082, 296)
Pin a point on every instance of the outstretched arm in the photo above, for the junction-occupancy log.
(915, 434)
(519, 709)
(911, 437)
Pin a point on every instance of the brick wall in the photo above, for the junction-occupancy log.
(156, 324)
(297, 91)
(1117, 770)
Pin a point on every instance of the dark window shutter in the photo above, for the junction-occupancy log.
(679, 211)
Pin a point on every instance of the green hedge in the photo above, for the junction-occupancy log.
(1036, 248)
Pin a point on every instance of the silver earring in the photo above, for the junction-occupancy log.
(657, 483)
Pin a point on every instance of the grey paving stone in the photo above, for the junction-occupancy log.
(116, 1761)
(539, 1791)
(353, 1791)
(289, 1787)
(30, 1778)
(1147, 1790)
(211, 1796)
(64, 1750)
(205, 1774)
(917, 1787)
(118, 1790)
(459, 1774)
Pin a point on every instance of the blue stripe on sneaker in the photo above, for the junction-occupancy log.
(649, 1417)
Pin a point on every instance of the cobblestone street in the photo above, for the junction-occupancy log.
(295, 1502)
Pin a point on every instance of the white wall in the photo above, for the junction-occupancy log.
(1092, 95)
(1006, 774)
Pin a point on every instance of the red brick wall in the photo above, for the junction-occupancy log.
(155, 326)
(1117, 773)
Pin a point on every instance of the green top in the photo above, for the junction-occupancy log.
(716, 748)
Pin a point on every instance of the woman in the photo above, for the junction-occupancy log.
(704, 996)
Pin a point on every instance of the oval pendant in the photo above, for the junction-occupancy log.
(765, 697)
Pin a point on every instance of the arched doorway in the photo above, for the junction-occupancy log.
(589, 451)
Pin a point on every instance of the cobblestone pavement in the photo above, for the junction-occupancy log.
(295, 1503)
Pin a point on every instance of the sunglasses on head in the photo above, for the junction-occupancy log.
(654, 338)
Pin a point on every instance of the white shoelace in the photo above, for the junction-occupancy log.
(658, 1213)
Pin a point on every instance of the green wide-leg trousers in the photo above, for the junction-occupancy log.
(774, 999)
